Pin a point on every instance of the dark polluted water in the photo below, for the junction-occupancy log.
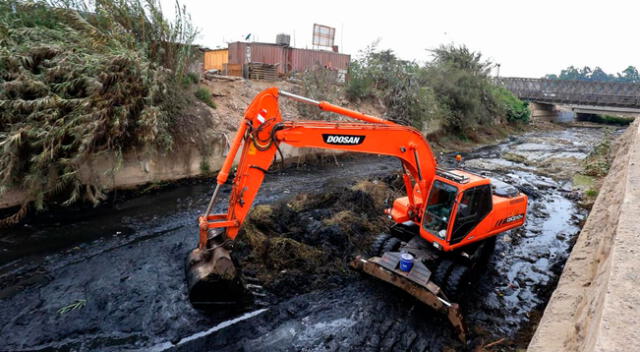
(122, 267)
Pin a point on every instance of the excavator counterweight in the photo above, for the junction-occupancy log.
(445, 223)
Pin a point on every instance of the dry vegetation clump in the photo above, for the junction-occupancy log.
(598, 162)
(318, 84)
(76, 82)
(306, 242)
(595, 167)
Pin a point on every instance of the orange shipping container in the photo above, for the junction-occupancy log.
(215, 59)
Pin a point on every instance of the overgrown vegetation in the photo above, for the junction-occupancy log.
(454, 87)
(516, 110)
(598, 162)
(204, 95)
(606, 119)
(315, 85)
(398, 84)
(595, 167)
(78, 81)
(190, 78)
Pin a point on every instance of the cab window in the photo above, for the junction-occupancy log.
(438, 210)
(474, 205)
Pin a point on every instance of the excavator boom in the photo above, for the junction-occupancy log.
(263, 129)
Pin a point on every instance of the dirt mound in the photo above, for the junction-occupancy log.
(304, 243)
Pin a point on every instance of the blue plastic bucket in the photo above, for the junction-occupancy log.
(406, 262)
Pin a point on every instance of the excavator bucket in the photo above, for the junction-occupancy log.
(212, 278)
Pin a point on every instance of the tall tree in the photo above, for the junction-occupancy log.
(599, 75)
(630, 74)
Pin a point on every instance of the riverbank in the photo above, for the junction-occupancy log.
(191, 158)
(595, 306)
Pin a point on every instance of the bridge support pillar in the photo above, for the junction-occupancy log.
(550, 113)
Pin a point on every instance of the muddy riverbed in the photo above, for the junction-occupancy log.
(113, 278)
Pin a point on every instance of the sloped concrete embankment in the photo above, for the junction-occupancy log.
(596, 306)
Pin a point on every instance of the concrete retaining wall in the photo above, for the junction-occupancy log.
(139, 168)
(596, 306)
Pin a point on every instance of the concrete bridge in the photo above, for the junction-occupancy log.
(579, 96)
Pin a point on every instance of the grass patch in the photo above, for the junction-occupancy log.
(595, 168)
(204, 95)
(598, 162)
(78, 304)
(205, 168)
(616, 120)
(190, 78)
(516, 158)
(583, 181)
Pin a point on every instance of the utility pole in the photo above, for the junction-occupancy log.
(341, 37)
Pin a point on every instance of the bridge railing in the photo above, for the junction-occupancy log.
(574, 92)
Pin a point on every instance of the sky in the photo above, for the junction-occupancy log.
(527, 38)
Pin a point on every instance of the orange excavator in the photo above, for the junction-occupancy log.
(446, 222)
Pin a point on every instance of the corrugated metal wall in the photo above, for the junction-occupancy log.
(258, 52)
(215, 59)
(236, 53)
(288, 59)
(270, 54)
(304, 59)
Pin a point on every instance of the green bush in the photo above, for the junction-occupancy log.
(605, 119)
(360, 83)
(460, 80)
(204, 95)
(516, 110)
(190, 78)
(454, 87)
(397, 83)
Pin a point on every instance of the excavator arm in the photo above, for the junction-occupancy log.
(263, 130)
(211, 274)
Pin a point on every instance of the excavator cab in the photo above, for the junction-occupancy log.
(462, 208)
(439, 209)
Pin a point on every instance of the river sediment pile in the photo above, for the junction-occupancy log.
(306, 242)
